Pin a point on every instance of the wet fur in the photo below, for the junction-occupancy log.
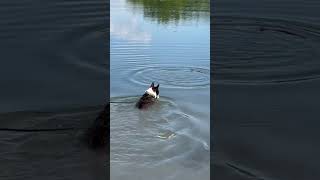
(98, 133)
(145, 101)
(149, 97)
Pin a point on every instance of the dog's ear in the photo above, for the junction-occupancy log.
(158, 86)
(152, 84)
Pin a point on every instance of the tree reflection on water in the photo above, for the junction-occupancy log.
(168, 11)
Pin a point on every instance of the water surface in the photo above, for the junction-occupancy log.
(166, 42)
(53, 76)
(265, 66)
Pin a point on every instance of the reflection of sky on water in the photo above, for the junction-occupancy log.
(131, 26)
(144, 50)
(129, 30)
(124, 28)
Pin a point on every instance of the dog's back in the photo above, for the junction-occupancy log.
(98, 133)
(145, 101)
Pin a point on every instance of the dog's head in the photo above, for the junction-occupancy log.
(153, 90)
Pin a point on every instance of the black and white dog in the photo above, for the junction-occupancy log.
(149, 97)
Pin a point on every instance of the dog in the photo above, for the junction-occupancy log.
(98, 135)
(149, 97)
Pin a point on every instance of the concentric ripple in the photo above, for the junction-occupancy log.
(173, 76)
(258, 51)
(152, 137)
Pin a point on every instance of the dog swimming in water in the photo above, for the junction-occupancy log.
(98, 135)
(149, 97)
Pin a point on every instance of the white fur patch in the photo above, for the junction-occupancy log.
(152, 93)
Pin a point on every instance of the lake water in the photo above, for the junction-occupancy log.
(53, 76)
(265, 67)
(166, 42)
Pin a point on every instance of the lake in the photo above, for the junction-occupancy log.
(166, 42)
(53, 82)
(265, 67)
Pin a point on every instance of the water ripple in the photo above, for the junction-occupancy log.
(161, 134)
(260, 50)
(172, 76)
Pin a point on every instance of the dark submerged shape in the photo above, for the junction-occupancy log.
(98, 133)
(147, 100)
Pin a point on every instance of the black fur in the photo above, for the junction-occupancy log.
(98, 133)
(145, 101)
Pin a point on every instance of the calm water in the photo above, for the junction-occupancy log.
(53, 75)
(166, 42)
(266, 83)
(53, 54)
